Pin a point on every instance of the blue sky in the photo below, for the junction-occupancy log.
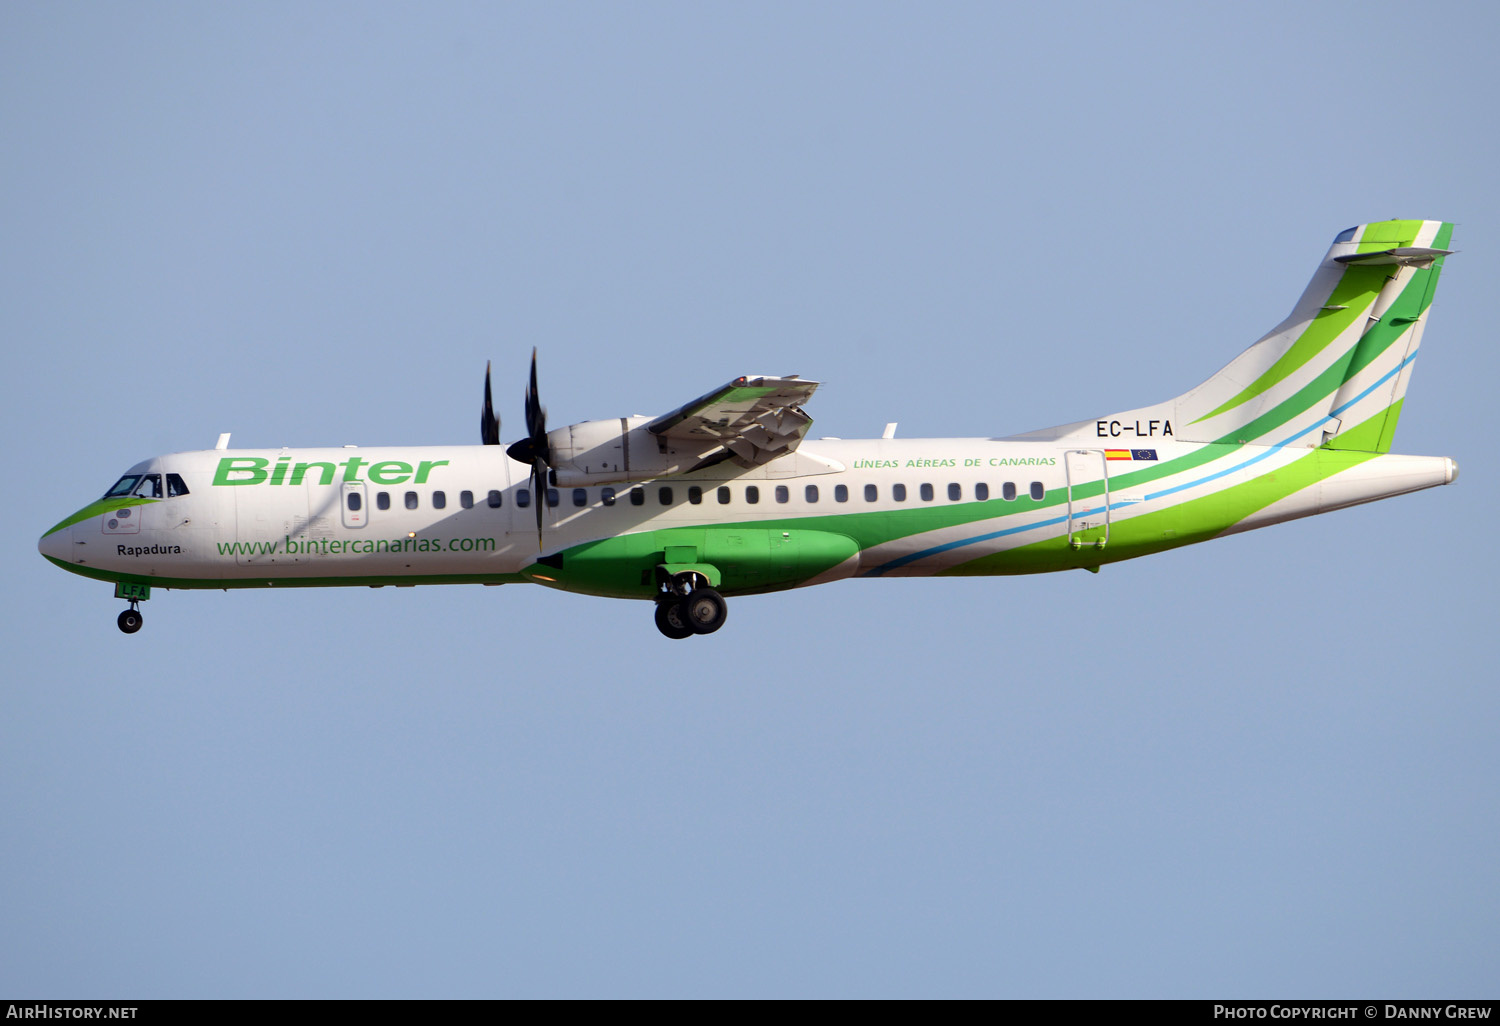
(1259, 767)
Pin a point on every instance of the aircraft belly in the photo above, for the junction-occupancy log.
(749, 558)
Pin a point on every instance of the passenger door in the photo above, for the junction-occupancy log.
(1088, 497)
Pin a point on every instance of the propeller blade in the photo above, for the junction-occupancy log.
(539, 495)
(489, 421)
(534, 446)
(536, 413)
(533, 449)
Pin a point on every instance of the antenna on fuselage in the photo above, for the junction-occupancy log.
(223, 442)
(890, 430)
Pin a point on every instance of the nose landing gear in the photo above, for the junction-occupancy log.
(130, 620)
(689, 606)
(135, 593)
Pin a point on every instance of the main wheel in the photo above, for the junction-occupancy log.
(705, 611)
(130, 621)
(669, 620)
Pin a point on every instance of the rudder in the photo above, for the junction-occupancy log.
(1368, 404)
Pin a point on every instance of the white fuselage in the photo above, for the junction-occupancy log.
(464, 513)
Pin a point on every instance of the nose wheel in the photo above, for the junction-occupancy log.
(130, 620)
(690, 607)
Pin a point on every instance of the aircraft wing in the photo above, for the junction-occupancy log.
(755, 418)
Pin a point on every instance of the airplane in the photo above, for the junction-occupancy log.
(724, 497)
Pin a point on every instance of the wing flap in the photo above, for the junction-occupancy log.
(755, 418)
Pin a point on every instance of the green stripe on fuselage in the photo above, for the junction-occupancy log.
(1187, 522)
(93, 509)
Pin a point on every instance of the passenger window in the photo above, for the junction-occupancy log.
(981, 491)
(637, 496)
(439, 500)
(494, 498)
(840, 493)
(466, 499)
(553, 498)
(1037, 491)
(695, 495)
(723, 494)
(752, 494)
(607, 495)
(382, 500)
(411, 500)
(355, 502)
(898, 492)
(176, 486)
(580, 496)
(872, 493)
(955, 492)
(150, 486)
(1008, 491)
(926, 493)
(782, 493)
(810, 493)
(665, 496)
(523, 497)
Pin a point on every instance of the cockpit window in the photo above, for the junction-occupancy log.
(176, 485)
(147, 486)
(1347, 235)
(124, 486)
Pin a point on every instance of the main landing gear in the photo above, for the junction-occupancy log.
(689, 606)
(130, 620)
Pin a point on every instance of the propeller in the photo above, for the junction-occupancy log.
(489, 421)
(533, 449)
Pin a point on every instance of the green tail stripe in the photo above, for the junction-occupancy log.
(1443, 236)
(1409, 306)
(1388, 430)
(1356, 291)
(1388, 235)
(1366, 436)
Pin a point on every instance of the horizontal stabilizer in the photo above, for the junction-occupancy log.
(1404, 256)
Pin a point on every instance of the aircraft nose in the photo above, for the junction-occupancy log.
(55, 544)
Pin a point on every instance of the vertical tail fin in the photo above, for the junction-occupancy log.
(1335, 371)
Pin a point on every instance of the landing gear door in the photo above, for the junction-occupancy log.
(1088, 497)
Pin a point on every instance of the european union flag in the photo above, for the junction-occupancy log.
(1143, 454)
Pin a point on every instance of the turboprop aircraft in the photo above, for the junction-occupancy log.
(723, 497)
